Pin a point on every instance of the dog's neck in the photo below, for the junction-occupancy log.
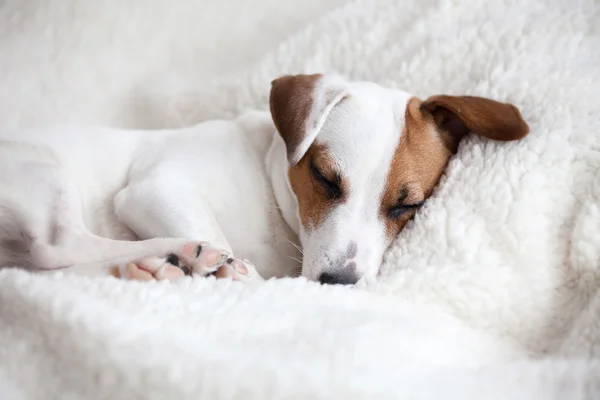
(276, 163)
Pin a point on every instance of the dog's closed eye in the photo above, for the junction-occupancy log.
(332, 186)
(406, 203)
(401, 209)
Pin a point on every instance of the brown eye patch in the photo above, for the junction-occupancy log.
(318, 185)
(417, 164)
(332, 185)
(407, 203)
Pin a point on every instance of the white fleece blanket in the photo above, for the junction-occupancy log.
(492, 292)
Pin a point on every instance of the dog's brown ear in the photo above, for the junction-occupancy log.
(300, 104)
(456, 116)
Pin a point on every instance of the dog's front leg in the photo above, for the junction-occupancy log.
(190, 258)
(164, 204)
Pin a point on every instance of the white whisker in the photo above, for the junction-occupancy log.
(295, 245)
(297, 273)
(295, 259)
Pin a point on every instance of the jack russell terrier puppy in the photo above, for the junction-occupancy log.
(331, 176)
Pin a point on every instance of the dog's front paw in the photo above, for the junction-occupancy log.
(196, 259)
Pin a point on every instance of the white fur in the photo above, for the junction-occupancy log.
(507, 244)
(106, 196)
(97, 190)
(212, 182)
(361, 135)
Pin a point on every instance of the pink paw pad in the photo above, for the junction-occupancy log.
(197, 259)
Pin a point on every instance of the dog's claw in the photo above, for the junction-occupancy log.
(173, 260)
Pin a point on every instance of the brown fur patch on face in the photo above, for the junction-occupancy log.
(314, 200)
(290, 101)
(418, 163)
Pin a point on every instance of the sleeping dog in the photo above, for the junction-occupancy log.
(330, 176)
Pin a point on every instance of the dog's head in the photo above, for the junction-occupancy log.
(363, 159)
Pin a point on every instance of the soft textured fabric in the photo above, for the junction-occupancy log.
(492, 291)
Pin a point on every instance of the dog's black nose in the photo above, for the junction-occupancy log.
(342, 277)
